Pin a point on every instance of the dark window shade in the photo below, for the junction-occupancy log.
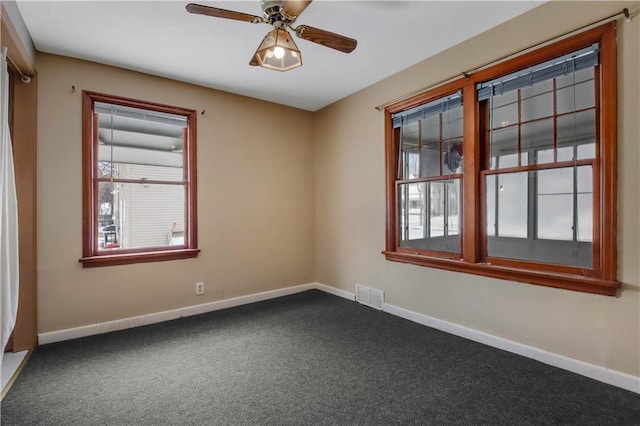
(427, 110)
(582, 59)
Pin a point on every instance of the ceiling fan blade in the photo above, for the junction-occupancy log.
(222, 13)
(326, 38)
(293, 8)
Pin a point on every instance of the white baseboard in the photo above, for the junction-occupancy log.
(121, 324)
(612, 377)
(606, 375)
(336, 291)
(602, 374)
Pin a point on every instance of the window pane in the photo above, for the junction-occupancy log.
(491, 185)
(555, 216)
(582, 95)
(430, 215)
(142, 215)
(453, 207)
(505, 161)
(412, 211)
(561, 210)
(143, 172)
(565, 153)
(410, 155)
(452, 157)
(586, 151)
(585, 203)
(543, 156)
(107, 169)
(410, 163)
(410, 134)
(585, 217)
(585, 179)
(430, 129)
(555, 181)
(452, 123)
(536, 101)
(430, 160)
(536, 136)
(503, 143)
(437, 211)
(512, 205)
(555, 204)
(577, 131)
(106, 206)
(136, 136)
(432, 147)
(504, 110)
(574, 136)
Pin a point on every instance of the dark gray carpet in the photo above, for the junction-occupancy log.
(310, 358)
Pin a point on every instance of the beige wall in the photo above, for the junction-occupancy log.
(255, 200)
(350, 208)
(264, 225)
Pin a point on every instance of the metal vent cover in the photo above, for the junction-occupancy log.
(368, 296)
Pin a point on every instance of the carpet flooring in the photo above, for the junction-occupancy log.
(309, 358)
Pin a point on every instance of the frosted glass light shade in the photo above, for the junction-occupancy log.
(278, 51)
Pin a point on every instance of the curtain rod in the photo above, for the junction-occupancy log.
(23, 77)
(468, 73)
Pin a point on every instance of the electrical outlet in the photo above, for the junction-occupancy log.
(199, 288)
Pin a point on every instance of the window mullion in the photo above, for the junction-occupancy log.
(407, 205)
(446, 208)
(400, 174)
(532, 202)
(440, 142)
(427, 210)
(496, 190)
(519, 136)
(142, 181)
(471, 227)
(575, 204)
(419, 165)
(555, 121)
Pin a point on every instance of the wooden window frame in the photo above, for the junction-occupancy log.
(91, 256)
(428, 180)
(602, 278)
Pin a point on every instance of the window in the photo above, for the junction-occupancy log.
(511, 172)
(139, 177)
(429, 172)
(541, 128)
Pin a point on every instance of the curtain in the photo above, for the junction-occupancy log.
(8, 218)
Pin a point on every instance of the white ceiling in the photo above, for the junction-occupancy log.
(161, 38)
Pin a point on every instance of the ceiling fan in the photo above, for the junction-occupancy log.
(278, 50)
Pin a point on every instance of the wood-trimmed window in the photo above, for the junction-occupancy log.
(511, 173)
(139, 181)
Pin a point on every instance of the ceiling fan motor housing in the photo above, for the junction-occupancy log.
(271, 10)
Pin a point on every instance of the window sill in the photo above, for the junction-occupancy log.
(129, 258)
(544, 278)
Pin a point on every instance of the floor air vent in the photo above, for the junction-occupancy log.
(369, 296)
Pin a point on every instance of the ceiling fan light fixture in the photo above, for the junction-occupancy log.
(278, 51)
